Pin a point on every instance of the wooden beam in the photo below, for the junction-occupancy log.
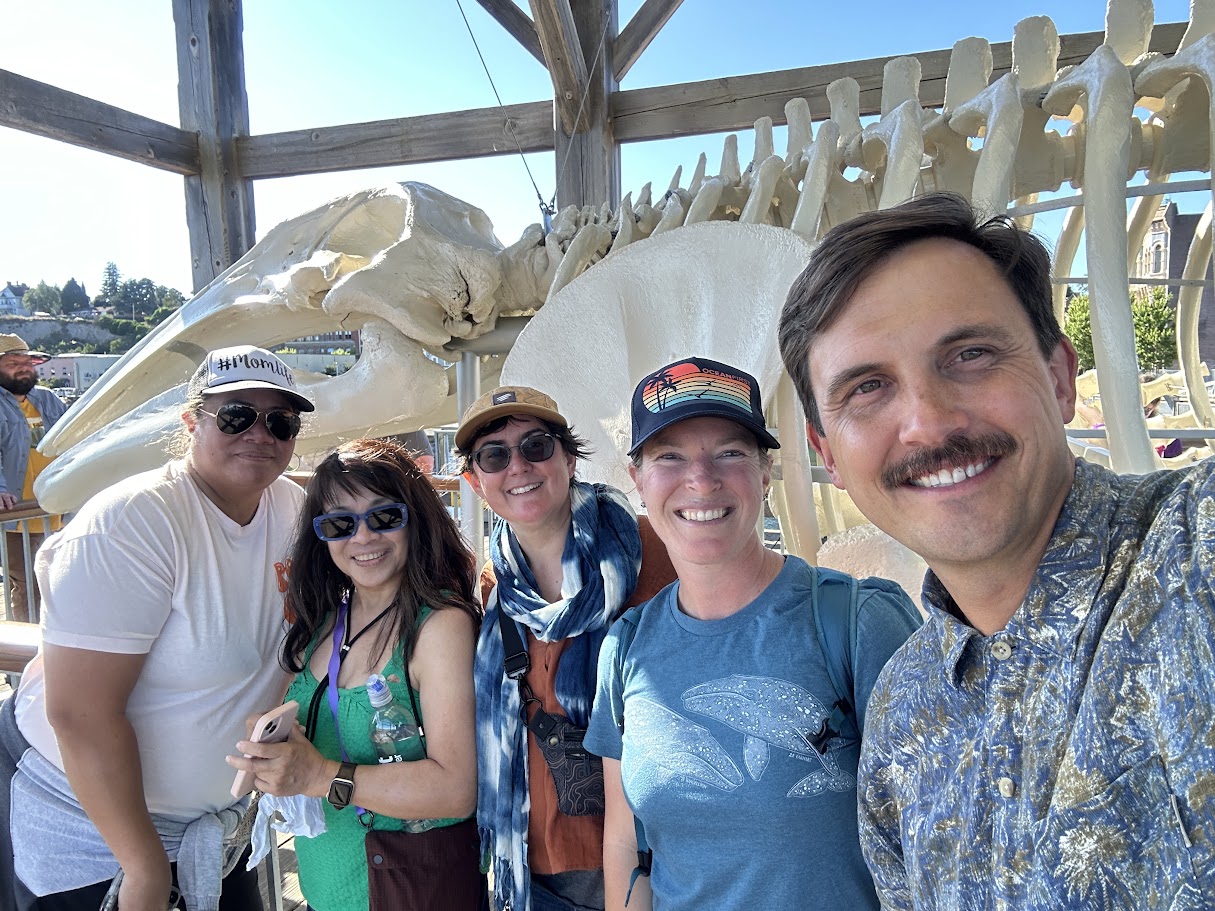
(44, 110)
(407, 140)
(516, 22)
(588, 162)
(736, 102)
(643, 28)
(211, 96)
(564, 58)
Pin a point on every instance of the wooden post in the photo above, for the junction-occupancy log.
(588, 162)
(213, 103)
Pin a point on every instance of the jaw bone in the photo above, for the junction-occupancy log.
(393, 377)
(410, 266)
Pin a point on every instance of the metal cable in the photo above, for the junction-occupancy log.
(546, 210)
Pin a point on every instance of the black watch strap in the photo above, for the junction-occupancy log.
(341, 789)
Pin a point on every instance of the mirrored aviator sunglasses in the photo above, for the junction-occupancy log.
(235, 418)
(337, 526)
(496, 456)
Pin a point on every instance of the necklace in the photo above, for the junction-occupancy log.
(348, 640)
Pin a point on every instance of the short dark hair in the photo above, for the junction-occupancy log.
(570, 442)
(438, 570)
(851, 252)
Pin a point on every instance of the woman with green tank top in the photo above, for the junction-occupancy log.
(380, 583)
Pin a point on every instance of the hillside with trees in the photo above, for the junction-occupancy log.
(128, 309)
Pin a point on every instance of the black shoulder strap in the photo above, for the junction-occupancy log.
(514, 652)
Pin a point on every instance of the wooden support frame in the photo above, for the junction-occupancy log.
(643, 28)
(213, 103)
(515, 21)
(429, 137)
(697, 108)
(588, 162)
(41, 109)
(563, 55)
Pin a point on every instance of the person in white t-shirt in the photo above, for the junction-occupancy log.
(163, 614)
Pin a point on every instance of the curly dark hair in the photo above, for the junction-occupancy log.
(438, 572)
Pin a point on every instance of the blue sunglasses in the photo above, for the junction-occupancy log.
(336, 526)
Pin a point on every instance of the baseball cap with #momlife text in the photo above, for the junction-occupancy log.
(249, 367)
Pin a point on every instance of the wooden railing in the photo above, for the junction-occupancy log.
(18, 640)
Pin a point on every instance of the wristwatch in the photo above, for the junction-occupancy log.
(341, 790)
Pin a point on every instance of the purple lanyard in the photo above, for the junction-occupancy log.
(335, 667)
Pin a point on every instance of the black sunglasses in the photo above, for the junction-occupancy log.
(235, 418)
(539, 447)
(335, 526)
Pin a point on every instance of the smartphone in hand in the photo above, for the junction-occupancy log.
(272, 727)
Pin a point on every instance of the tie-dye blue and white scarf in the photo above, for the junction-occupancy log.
(599, 571)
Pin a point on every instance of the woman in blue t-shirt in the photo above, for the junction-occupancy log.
(716, 712)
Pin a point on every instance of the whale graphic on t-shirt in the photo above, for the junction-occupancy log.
(675, 746)
(771, 713)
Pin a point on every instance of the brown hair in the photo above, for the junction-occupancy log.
(438, 571)
(178, 441)
(851, 252)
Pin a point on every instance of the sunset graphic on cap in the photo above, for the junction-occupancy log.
(687, 382)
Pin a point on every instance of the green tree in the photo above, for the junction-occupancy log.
(137, 296)
(160, 314)
(1155, 329)
(169, 298)
(43, 298)
(74, 297)
(111, 285)
(1076, 327)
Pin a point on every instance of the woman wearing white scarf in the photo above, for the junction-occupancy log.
(566, 558)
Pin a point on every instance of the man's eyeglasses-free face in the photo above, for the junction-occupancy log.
(539, 447)
(235, 418)
(336, 526)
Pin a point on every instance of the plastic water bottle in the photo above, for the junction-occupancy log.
(393, 731)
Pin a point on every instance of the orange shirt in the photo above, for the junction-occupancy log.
(557, 843)
(37, 463)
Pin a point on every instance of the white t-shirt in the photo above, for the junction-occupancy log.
(151, 566)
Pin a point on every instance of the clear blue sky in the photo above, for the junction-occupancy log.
(66, 211)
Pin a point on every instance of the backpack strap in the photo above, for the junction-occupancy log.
(834, 606)
(628, 631)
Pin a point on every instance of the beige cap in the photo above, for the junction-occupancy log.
(15, 344)
(504, 401)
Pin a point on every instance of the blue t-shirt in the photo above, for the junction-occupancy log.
(738, 808)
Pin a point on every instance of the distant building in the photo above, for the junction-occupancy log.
(10, 300)
(80, 370)
(1163, 255)
(326, 343)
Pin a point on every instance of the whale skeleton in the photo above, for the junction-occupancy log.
(701, 269)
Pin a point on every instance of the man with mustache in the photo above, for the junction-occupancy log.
(1046, 739)
(27, 412)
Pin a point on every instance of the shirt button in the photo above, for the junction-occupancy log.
(1001, 650)
(1008, 787)
(378, 859)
